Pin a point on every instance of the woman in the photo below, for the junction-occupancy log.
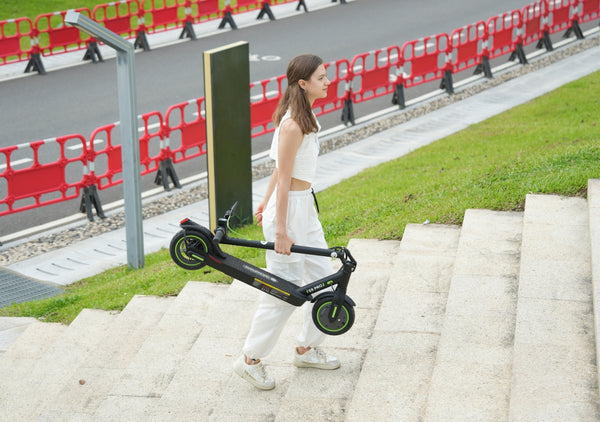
(288, 216)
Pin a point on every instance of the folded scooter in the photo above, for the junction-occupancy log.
(195, 246)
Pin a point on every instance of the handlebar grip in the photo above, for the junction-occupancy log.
(311, 251)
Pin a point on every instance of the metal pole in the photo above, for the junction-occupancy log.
(130, 149)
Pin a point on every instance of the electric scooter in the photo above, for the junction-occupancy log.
(195, 246)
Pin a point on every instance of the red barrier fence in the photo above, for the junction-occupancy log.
(370, 73)
(246, 5)
(559, 14)
(120, 17)
(185, 130)
(40, 183)
(163, 15)
(587, 10)
(467, 46)
(532, 29)
(181, 134)
(425, 59)
(16, 38)
(205, 10)
(268, 91)
(151, 141)
(55, 36)
(160, 15)
(503, 33)
(105, 163)
(107, 158)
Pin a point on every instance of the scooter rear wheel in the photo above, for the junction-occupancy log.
(189, 250)
(343, 320)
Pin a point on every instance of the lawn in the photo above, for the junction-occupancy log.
(10, 9)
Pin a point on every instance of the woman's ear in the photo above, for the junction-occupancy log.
(302, 84)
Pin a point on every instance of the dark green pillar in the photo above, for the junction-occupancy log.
(228, 131)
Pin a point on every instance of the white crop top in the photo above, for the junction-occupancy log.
(305, 164)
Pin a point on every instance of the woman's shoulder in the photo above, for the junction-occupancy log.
(290, 127)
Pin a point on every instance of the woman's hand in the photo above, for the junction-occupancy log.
(283, 244)
(259, 214)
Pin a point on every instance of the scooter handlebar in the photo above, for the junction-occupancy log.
(310, 250)
(307, 250)
(219, 233)
(221, 236)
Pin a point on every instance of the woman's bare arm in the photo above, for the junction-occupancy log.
(290, 138)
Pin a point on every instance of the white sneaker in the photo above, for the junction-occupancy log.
(315, 358)
(254, 374)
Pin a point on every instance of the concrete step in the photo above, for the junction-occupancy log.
(10, 330)
(554, 369)
(440, 334)
(33, 342)
(206, 370)
(21, 358)
(471, 378)
(151, 369)
(395, 375)
(90, 380)
(56, 366)
(594, 220)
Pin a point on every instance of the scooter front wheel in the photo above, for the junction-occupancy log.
(189, 250)
(342, 320)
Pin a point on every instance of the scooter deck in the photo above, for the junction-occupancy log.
(258, 278)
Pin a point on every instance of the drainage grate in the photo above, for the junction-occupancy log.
(16, 288)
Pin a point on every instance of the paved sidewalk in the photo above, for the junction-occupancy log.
(92, 256)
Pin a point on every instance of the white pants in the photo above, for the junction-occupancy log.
(304, 228)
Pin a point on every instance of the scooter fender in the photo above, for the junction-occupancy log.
(190, 226)
(332, 294)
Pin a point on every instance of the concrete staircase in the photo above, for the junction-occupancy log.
(496, 320)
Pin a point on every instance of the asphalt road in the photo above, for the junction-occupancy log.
(81, 98)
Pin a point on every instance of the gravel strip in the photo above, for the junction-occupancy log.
(191, 194)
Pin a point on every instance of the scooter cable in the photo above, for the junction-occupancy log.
(229, 229)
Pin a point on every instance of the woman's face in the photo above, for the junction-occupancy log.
(316, 86)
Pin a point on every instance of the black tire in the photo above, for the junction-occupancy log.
(181, 248)
(340, 324)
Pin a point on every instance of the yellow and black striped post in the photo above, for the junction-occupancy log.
(228, 131)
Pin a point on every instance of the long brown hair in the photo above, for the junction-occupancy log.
(294, 98)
